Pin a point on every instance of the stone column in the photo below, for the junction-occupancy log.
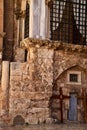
(23, 8)
(42, 19)
(37, 19)
(47, 21)
(5, 87)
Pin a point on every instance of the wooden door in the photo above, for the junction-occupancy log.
(73, 107)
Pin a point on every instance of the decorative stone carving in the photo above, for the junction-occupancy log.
(57, 45)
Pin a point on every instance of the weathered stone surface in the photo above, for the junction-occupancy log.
(34, 82)
(19, 55)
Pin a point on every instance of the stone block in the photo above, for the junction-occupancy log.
(19, 55)
(15, 69)
(33, 121)
(45, 53)
(49, 121)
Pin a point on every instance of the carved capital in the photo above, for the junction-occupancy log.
(48, 1)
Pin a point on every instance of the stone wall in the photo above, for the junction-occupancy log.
(32, 83)
(63, 63)
(31, 86)
(66, 57)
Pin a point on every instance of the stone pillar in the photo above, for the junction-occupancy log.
(42, 20)
(20, 8)
(9, 29)
(37, 19)
(47, 21)
(23, 8)
(5, 87)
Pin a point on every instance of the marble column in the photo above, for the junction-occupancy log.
(42, 19)
(5, 87)
(37, 19)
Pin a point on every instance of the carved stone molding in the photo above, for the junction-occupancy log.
(56, 45)
(48, 1)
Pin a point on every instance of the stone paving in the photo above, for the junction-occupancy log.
(48, 127)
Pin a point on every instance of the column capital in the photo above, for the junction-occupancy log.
(48, 1)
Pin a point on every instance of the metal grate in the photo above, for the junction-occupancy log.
(73, 77)
(68, 21)
(27, 20)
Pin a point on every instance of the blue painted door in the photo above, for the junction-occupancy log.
(73, 108)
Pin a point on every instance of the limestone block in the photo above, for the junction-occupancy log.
(15, 69)
(15, 86)
(32, 53)
(39, 104)
(5, 86)
(15, 78)
(19, 55)
(33, 121)
(49, 121)
(45, 53)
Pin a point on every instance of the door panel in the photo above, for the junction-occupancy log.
(73, 108)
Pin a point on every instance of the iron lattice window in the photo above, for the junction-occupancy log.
(68, 21)
(73, 77)
(27, 20)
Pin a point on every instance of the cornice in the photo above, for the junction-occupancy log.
(56, 45)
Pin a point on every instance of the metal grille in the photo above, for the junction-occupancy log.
(73, 77)
(68, 21)
(27, 20)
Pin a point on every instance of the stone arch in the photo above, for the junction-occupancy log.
(64, 66)
(70, 68)
(18, 120)
(67, 89)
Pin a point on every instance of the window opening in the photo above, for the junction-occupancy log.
(73, 77)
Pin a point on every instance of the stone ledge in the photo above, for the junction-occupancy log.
(56, 45)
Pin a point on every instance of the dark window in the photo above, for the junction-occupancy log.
(73, 77)
(68, 21)
(27, 20)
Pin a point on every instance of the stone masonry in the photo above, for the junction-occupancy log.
(26, 88)
(32, 83)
